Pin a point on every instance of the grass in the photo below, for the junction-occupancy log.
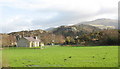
(0, 58)
(56, 56)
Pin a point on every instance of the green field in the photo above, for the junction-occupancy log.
(57, 56)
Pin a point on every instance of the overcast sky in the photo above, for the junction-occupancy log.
(16, 15)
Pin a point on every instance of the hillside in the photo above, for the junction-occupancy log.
(45, 36)
(102, 23)
(75, 30)
(59, 35)
(50, 29)
(28, 33)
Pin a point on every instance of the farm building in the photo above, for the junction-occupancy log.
(29, 42)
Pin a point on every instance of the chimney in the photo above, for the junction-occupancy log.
(35, 37)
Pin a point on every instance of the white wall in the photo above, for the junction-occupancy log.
(36, 44)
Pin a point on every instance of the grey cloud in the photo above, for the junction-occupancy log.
(64, 17)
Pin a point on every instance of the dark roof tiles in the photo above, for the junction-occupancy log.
(32, 39)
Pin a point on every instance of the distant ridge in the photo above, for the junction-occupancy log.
(98, 23)
(102, 23)
(50, 29)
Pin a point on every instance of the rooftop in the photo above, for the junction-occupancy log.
(32, 39)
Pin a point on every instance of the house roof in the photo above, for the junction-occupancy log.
(32, 39)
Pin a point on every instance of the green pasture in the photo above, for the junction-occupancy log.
(58, 56)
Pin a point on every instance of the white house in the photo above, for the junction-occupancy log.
(29, 42)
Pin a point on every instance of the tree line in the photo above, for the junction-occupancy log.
(102, 37)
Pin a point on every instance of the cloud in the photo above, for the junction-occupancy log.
(41, 14)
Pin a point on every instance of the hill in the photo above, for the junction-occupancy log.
(45, 36)
(50, 29)
(102, 23)
(59, 35)
(75, 30)
(28, 33)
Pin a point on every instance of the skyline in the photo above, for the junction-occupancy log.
(20, 15)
